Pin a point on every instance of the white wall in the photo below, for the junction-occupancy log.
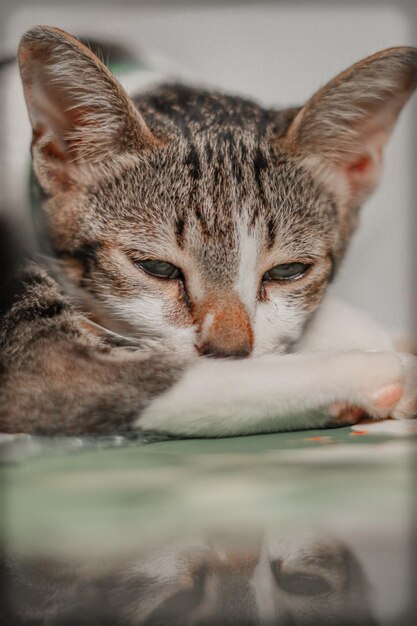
(281, 53)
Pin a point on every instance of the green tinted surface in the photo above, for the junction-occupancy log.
(73, 496)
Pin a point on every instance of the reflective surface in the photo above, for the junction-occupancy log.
(297, 528)
(261, 580)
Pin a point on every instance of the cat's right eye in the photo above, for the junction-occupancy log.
(160, 269)
(299, 583)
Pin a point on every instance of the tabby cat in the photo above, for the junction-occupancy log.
(195, 234)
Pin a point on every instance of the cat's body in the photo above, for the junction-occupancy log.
(192, 224)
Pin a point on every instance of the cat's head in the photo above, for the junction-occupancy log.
(244, 581)
(200, 217)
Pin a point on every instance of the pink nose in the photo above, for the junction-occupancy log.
(224, 327)
(220, 350)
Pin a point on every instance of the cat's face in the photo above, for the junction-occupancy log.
(244, 581)
(204, 220)
(221, 232)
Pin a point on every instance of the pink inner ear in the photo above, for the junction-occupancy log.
(360, 166)
(364, 170)
(363, 173)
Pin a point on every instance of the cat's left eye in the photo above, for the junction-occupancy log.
(159, 269)
(286, 271)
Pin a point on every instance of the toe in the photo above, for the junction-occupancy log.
(388, 396)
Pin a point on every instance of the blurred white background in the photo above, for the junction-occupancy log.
(279, 54)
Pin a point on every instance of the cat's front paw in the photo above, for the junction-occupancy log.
(407, 404)
(383, 384)
(397, 398)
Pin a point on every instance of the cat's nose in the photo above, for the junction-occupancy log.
(224, 327)
(216, 351)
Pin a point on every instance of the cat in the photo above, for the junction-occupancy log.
(206, 581)
(196, 234)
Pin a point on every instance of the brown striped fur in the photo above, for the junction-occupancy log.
(200, 179)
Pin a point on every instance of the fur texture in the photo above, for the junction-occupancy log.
(224, 190)
(247, 581)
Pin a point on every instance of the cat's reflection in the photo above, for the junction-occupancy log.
(207, 583)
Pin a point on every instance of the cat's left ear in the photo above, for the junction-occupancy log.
(80, 114)
(344, 127)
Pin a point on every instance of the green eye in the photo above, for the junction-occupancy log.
(160, 269)
(286, 271)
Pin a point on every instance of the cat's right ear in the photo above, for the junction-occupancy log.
(80, 114)
(343, 129)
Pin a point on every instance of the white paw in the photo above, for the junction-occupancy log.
(407, 405)
(396, 396)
